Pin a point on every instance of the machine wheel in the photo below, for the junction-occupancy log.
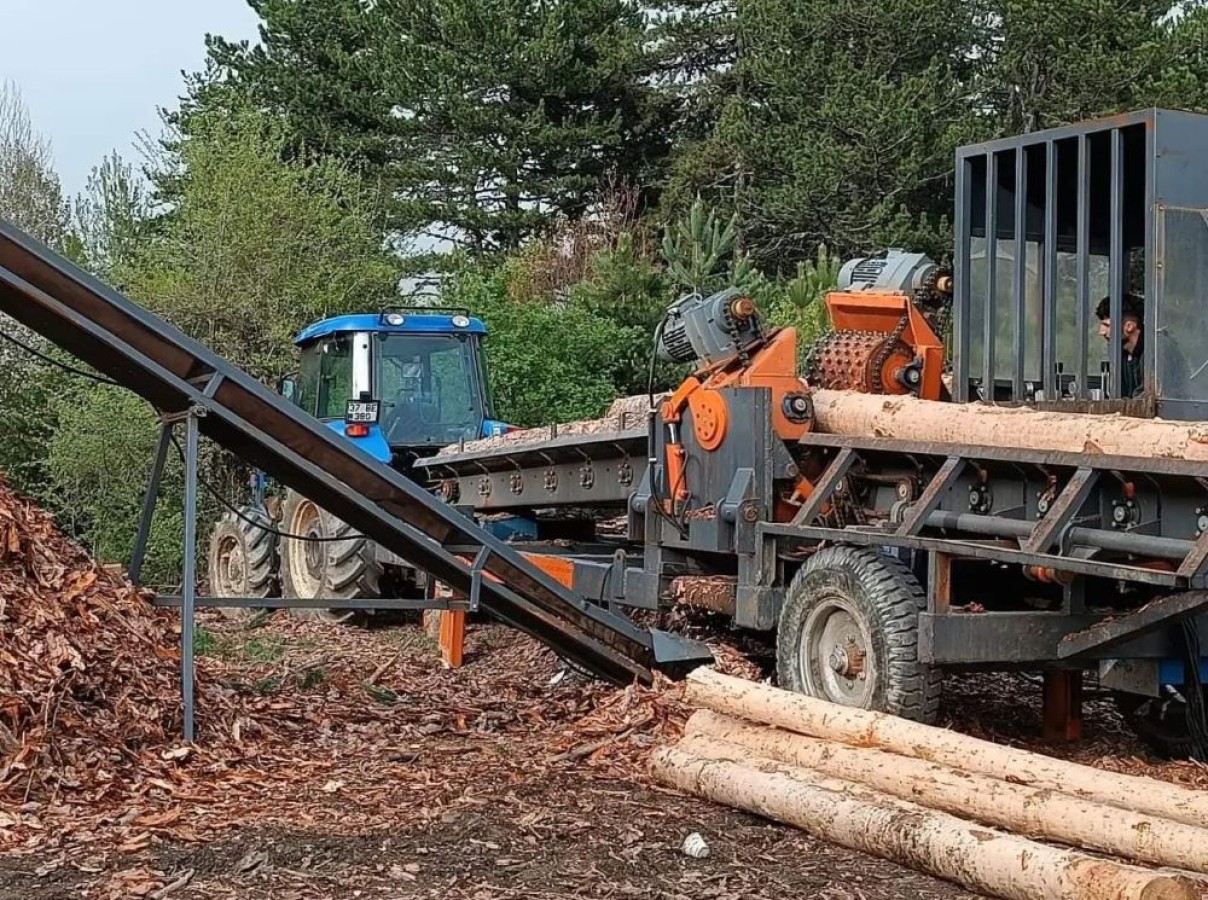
(242, 559)
(848, 633)
(1160, 722)
(335, 570)
(353, 571)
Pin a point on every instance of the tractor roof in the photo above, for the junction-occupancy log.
(412, 322)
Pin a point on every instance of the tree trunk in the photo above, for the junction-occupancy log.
(1025, 810)
(864, 728)
(980, 859)
(907, 418)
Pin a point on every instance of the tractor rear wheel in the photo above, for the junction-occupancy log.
(242, 559)
(315, 566)
(848, 634)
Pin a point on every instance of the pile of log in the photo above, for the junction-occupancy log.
(953, 806)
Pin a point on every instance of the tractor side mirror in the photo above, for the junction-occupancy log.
(287, 387)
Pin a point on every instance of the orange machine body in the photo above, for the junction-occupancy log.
(881, 312)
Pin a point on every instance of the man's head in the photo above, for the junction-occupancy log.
(1133, 308)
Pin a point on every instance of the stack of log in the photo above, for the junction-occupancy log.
(947, 804)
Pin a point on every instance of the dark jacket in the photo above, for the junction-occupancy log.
(1132, 369)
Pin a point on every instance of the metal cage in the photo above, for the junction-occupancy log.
(1050, 223)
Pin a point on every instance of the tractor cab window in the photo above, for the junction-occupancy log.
(324, 383)
(429, 389)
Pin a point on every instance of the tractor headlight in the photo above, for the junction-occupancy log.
(461, 322)
(394, 319)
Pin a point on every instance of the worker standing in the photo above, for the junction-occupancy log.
(1132, 341)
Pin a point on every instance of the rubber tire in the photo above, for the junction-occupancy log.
(252, 538)
(353, 571)
(349, 570)
(888, 599)
(1170, 740)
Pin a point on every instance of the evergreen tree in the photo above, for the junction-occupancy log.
(486, 120)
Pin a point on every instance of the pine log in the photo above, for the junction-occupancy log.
(864, 728)
(933, 842)
(907, 418)
(1033, 812)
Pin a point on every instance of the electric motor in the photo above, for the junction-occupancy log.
(708, 328)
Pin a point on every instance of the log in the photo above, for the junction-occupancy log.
(911, 419)
(933, 842)
(864, 728)
(1034, 812)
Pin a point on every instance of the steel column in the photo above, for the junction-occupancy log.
(960, 324)
(1114, 386)
(1084, 272)
(149, 501)
(1052, 388)
(188, 589)
(1021, 273)
(988, 325)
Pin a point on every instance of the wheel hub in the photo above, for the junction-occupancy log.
(836, 659)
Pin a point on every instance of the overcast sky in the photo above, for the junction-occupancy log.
(93, 72)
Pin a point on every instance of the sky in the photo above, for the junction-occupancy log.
(94, 72)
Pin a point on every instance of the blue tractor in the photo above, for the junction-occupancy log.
(400, 384)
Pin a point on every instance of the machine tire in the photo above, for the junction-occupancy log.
(303, 562)
(353, 570)
(865, 606)
(242, 558)
(1161, 724)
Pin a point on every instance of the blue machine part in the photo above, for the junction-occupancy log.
(412, 323)
(1172, 671)
(373, 443)
(494, 428)
(512, 527)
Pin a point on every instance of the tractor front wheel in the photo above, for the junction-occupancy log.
(848, 633)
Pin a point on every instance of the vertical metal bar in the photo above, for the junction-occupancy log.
(149, 500)
(1084, 272)
(1116, 267)
(1052, 390)
(1155, 253)
(960, 320)
(991, 274)
(189, 587)
(1021, 272)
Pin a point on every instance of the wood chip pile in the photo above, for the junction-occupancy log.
(88, 672)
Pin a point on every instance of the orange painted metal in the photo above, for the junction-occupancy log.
(452, 637)
(881, 312)
(710, 418)
(559, 568)
(1062, 705)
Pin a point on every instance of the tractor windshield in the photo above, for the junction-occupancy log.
(429, 388)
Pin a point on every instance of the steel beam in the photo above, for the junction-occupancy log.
(1156, 614)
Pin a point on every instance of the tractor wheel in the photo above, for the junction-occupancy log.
(353, 570)
(1161, 723)
(313, 566)
(848, 633)
(242, 560)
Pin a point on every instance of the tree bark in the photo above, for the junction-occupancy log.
(907, 418)
(1034, 812)
(864, 728)
(939, 844)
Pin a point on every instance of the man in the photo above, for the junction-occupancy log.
(1132, 341)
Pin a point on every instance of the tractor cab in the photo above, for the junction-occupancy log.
(1081, 268)
(402, 383)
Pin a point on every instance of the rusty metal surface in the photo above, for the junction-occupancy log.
(847, 360)
(1156, 614)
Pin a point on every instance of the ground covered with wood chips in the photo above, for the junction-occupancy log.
(343, 761)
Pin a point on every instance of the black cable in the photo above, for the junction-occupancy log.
(46, 358)
(240, 514)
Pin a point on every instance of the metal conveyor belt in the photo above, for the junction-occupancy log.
(145, 354)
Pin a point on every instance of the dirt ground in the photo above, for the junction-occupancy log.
(364, 770)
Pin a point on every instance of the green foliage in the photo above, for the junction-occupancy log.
(548, 362)
(98, 461)
(256, 248)
(799, 302)
(698, 247)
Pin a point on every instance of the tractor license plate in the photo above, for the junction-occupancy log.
(361, 411)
